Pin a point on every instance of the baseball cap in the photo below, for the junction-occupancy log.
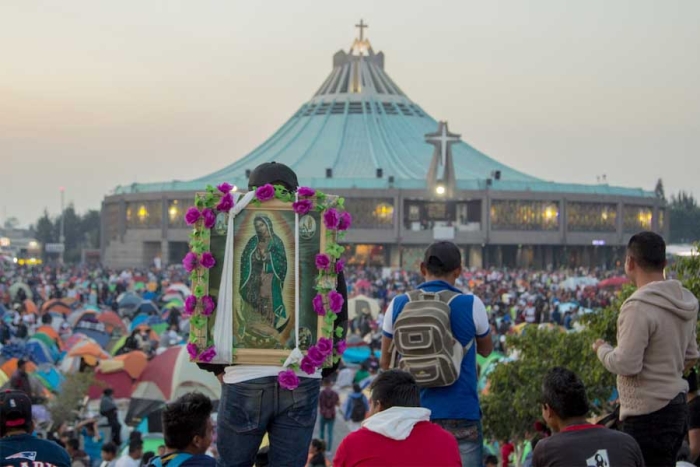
(273, 172)
(444, 256)
(15, 410)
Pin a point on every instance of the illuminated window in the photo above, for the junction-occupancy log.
(636, 218)
(384, 211)
(371, 213)
(591, 217)
(174, 211)
(142, 213)
(524, 215)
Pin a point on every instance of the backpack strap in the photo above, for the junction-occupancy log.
(176, 461)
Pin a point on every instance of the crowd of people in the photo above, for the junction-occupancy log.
(414, 402)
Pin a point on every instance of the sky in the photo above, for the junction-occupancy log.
(95, 94)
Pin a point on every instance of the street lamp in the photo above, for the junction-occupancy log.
(440, 190)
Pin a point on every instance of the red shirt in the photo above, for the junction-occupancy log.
(506, 450)
(428, 444)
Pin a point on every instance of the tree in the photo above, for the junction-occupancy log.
(11, 223)
(685, 218)
(65, 406)
(659, 190)
(90, 227)
(45, 229)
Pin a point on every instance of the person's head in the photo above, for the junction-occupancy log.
(646, 255)
(135, 449)
(491, 461)
(15, 413)
(273, 173)
(22, 364)
(394, 388)
(147, 456)
(563, 398)
(356, 388)
(109, 452)
(317, 447)
(108, 392)
(187, 423)
(73, 446)
(327, 383)
(161, 451)
(442, 261)
(261, 228)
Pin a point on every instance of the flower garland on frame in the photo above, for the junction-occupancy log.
(327, 303)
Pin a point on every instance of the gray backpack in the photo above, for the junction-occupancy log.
(423, 339)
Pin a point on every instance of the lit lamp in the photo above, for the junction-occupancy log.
(142, 213)
(384, 211)
(174, 211)
(440, 190)
(550, 212)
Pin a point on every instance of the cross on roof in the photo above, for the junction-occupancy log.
(442, 138)
(361, 26)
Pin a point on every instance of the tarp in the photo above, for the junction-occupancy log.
(148, 307)
(50, 377)
(57, 306)
(363, 304)
(167, 377)
(40, 353)
(82, 315)
(112, 322)
(119, 381)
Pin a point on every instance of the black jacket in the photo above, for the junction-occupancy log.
(342, 289)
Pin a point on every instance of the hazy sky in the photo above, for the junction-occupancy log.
(94, 94)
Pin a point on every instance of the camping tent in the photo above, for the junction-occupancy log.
(167, 377)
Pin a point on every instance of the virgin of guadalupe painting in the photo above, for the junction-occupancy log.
(263, 272)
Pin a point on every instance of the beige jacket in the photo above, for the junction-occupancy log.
(655, 340)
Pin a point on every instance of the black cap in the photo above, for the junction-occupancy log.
(274, 173)
(443, 257)
(15, 410)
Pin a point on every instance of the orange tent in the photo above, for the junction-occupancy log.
(30, 306)
(88, 349)
(49, 331)
(58, 306)
(111, 321)
(133, 363)
(10, 366)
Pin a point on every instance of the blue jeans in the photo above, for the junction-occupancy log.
(327, 425)
(469, 438)
(250, 409)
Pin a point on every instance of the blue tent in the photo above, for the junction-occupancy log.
(138, 321)
(40, 353)
(49, 376)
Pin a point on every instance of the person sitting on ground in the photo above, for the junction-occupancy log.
(317, 456)
(575, 441)
(188, 432)
(109, 455)
(399, 431)
(17, 443)
(133, 457)
(356, 408)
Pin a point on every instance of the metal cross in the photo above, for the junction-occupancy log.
(361, 26)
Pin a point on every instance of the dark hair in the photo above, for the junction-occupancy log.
(74, 444)
(491, 460)
(648, 250)
(186, 418)
(135, 445)
(692, 379)
(109, 448)
(395, 388)
(564, 393)
(356, 388)
(319, 445)
(108, 392)
(147, 456)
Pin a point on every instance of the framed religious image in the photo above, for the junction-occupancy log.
(264, 273)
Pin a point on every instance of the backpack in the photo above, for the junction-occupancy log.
(327, 404)
(423, 338)
(358, 410)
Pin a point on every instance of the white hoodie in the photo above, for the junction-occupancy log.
(396, 422)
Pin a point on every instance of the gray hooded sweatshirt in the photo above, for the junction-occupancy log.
(655, 340)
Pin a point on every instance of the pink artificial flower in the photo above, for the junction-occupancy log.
(303, 206)
(189, 262)
(335, 301)
(323, 261)
(315, 356)
(339, 266)
(225, 188)
(325, 345)
(341, 346)
(345, 221)
(190, 304)
(306, 192)
(225, 203)
(192, 350)
(192, 216)
(209, 217)
(319, 307)
(331, 218)
(208, 260)
(208, 355)
(208, 305)
(307, 366)
(265, 192)
(288, 379)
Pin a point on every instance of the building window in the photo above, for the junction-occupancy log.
(176, 212)
(591, 217)
(637, 218)
(662, 219)
(371, 213)
(524, 215)
(144, 214)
